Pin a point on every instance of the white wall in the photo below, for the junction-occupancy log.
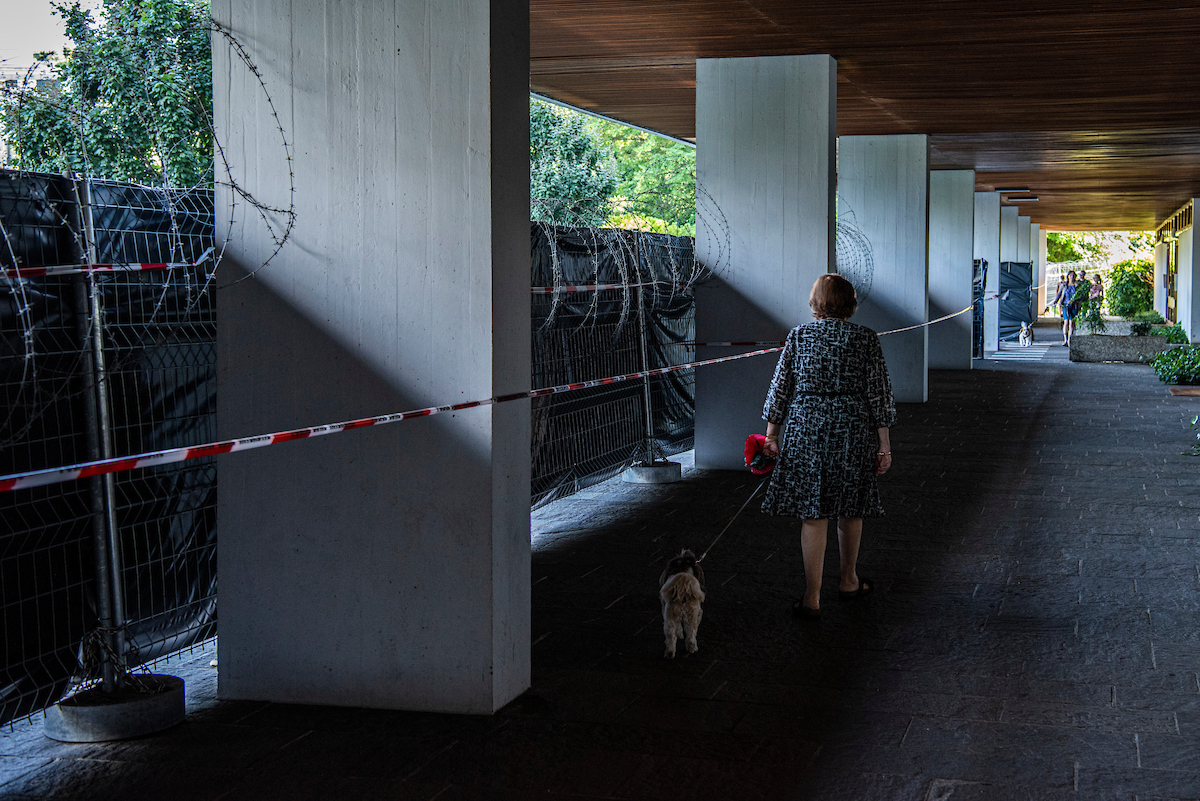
(1008, 235)
(765, 169)
(987, 247)
(951, 248)
(387, 567)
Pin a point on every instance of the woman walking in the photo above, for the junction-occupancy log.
(1070, 307)
(832, 400)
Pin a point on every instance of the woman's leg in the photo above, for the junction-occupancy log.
(1066, 323)
(812, 544)
(849, 537)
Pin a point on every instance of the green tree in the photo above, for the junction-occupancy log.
(131, 97)
(1131, 287)
(657, 188)
(572, 173)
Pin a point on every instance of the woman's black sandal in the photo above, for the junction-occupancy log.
(865, 587)
(805, 612)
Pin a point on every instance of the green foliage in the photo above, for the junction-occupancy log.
(1194, 426)
(1060, 246)
(657, 188)
(1099, 246)
(572, 173)
(1175, 334)
(1178, 366)
(1131, 287)
(1140, 329)
(131, 98)
(1149, 316)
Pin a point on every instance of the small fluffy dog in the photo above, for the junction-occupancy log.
(681, 588)
(1026, 335)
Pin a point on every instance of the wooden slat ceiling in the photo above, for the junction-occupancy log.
(1095, 107)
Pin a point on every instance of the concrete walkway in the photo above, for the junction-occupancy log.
(1034, 636)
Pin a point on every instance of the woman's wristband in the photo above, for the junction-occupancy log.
(884, 453)
(772, 438)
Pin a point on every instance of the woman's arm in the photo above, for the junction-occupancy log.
(771, 448)
(883, 458)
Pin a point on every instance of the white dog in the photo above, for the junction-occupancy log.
(1026, 335)
(681, 588)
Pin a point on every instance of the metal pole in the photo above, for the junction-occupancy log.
(637, 250)
(104, 435)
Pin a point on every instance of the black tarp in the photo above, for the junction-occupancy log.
(1016, 298)
(584, 437)
(159, 338)
(978, 284)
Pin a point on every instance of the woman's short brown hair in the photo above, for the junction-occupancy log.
(832, 296)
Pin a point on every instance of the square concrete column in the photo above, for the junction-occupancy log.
(1009, 240)
(1187, 284)
(951, 249)
(1037, 238)
(884, 182)
(1161, 253)
(1024, 241)
(386, 567)
(765, 173)
(987, 247)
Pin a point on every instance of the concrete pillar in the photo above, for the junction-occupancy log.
(885, 181)
(1037, 239)
(1187, 285)
(1024, 251)
(1008, 235)
(987, 247)
(951, 251)
(1160, 271)
(765, 171)
(387, 567)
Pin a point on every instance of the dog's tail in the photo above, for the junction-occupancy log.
(682, 588)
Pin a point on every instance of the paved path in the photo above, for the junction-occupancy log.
(1035, 635)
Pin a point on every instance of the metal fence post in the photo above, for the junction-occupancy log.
(109, 582)
(641, 297)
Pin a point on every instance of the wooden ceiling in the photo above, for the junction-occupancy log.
(1095, 107)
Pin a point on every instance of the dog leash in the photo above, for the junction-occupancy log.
(730, 523)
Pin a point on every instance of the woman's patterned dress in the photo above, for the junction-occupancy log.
(830, 392)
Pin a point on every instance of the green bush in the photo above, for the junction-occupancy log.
(1175, 334)
(1140, 329)
(1178, 366)
(1150, 316)
(1131, 288)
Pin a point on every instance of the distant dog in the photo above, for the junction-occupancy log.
(1026, 335)
(681, 588)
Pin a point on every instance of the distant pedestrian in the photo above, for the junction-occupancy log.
(1056, 303)
(1096, 294)
(832, 400)
(1070, 307)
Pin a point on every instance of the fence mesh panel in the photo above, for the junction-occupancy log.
(158, 333)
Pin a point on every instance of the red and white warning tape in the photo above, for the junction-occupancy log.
(72, 269)
(552, 290)
(776, 342)
(56, 475)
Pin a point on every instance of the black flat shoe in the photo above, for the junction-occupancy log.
(865, 587)
(804, 612)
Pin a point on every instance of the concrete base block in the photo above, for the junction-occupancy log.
(653, 473)
(1102, 348)
(154, 703)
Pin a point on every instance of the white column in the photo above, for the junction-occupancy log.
(765, 173)
(884, 180)
(987, 247)
(1037, 239)
(951, 251)
(1024, 251)
(387, 567)
(1187, 283)
(1008, 235)
(1160, 272)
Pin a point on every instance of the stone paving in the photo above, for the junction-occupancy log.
(1035, 635)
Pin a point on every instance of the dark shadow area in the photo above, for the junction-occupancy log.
(1033, 636)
